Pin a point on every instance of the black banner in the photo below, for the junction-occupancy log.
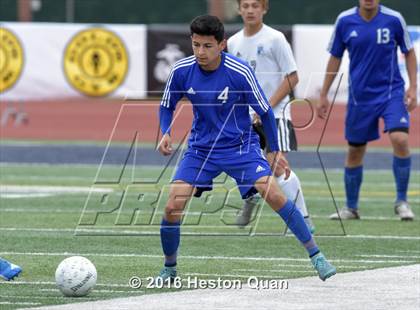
(166, 44)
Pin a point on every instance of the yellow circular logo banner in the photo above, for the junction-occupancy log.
(11, 59)
(96, 62)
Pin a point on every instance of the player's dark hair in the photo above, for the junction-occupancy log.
(208, 25)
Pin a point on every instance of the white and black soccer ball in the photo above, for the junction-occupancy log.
(75, 276)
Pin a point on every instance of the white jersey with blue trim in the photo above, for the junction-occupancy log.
(220, 101)
(271, 57)
(372, 45)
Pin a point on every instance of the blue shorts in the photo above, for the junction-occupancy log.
(362, 120)
(199, 168)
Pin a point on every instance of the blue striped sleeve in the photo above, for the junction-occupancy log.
(165, 119)
(172, 94)
(336, 46)
(402, 36)
(252, 90)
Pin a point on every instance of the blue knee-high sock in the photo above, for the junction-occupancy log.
(401, 168)
(169, 237)
(294, 220)
(353, 179)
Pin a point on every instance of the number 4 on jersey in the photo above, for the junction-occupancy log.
(224, 95)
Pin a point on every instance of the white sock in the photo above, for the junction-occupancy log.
(293, 191)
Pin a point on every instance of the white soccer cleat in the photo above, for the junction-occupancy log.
(245, 216)
(345, 214)
(403, 210)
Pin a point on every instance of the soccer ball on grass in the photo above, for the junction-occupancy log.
(75, 276)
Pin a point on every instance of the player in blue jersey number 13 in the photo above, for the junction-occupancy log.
(372, 33)
(221, 89)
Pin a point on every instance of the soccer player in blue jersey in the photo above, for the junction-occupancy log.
(372, 33)
(8, 270)
(221, 89)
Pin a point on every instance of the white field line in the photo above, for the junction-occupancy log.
(44, 297)
(31, 189)
(40, 210)
(361, 199)
(29, 209)
(29, 195)
(306, 268)
(364, 217)
(73, 210)
(36, 165)
(96, 291)
(117, 232)
(17, 282)
(276, 271)
(408, 251)
(44, 178)
(20, 303)
(231, 275)
(327, 199)
(365, 184)
(303, 181)
(228, 258)
(154, 167)
(388, 256)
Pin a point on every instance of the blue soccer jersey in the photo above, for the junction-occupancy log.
(220, 101)
(374, 73)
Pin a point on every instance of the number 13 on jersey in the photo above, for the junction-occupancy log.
(383, 36)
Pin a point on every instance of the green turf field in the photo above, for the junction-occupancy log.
(41, 227)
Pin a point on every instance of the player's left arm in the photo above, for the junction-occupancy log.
(403, 39)
(411, 93)
(286, 63)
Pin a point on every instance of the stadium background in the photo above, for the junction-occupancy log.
(53, 109)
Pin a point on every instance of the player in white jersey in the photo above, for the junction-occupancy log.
(270, 55)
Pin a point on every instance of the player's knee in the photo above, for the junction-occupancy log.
(400, 143)
(173, 209)
(355, 156)
(278, 171)
(274, 197)
(400, 140)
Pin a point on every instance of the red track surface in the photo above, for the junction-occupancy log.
(95, 120)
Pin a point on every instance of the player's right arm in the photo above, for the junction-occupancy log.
(411, 93)
(336, 48)
(172, 94)
(285, 60)
(406, 45)
(331, 72)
